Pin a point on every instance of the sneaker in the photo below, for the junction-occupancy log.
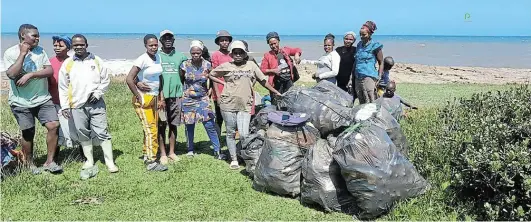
(190, 154)
(113, 169)
(52, 168)
(87, 173)
(234, 165)
(35, 170)
(154, 166)
(163, 160)
(219, 156)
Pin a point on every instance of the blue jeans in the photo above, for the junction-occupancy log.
(210, 127)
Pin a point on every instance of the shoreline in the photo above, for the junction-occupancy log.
(401, 73)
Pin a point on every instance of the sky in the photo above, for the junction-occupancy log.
(287, 17)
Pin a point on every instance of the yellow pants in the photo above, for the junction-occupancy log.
(148, 114)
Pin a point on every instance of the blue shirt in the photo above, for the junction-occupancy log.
(365, 59)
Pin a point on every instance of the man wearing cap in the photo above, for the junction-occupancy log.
(223, 40)
(61, 45)
(172, 89)
(278, 65)
(28, 71)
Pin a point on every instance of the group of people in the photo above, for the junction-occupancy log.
(168, 90)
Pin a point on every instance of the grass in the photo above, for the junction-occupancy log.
(198, 188)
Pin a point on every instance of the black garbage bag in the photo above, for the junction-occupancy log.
(335, 93)
(392, 105)
(327, 115)
(376, 114)
(377, 175)
(322, 182)
(260, 122)
(251, 149)
(278, 169)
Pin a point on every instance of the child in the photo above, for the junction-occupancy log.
(388, 64)
(390, 93)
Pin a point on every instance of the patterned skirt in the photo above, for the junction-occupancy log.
(196, 110)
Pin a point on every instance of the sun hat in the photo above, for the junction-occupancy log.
(222, 33)
(237, 45)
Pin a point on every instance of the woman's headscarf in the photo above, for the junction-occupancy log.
(350, 33)
(67, 40)
(196, 43)
(371, 26)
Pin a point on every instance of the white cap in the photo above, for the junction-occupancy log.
(237, 45)
(164, 32)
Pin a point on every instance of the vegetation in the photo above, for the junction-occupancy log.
(202, 188)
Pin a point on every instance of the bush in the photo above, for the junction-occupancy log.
(489, 136)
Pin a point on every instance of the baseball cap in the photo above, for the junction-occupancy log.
(237, 45)
(166, 31)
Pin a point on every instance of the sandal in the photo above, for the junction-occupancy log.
(174, 157)
(163, 160)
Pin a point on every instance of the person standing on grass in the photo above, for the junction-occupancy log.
(172, 91)
(328, 64)
(223, 40)
(346, 52)
(29, 98)
(277, 64)
(83, 79)
(61, 44)
(196, 104)
(236, 99)
(148, 69)
(368, 53)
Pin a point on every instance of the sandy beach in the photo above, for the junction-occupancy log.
(401, 73)
(428, 74)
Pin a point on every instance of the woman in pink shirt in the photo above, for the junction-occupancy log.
(278, 65)
(223, 40)
(61, 46)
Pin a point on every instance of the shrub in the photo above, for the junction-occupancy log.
(489, 137)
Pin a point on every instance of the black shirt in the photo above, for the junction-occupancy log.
(346, 64)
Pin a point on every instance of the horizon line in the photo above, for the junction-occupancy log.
(177, 34)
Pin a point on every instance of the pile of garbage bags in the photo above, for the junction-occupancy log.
(318, 146)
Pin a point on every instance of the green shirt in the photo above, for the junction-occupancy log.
(35, 92)
(172, 86)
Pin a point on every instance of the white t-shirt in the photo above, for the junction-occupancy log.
(150, 72)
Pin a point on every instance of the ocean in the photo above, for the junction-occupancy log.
(500, 52)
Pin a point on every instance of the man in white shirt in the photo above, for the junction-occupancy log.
(83, 80)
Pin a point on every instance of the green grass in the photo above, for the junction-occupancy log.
(198, 188)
